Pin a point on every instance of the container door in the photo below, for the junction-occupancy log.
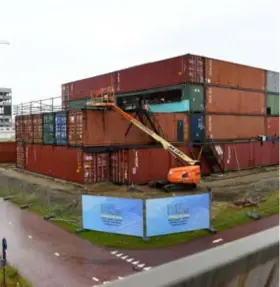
(180, 131)
(197, 130)
(195, 94)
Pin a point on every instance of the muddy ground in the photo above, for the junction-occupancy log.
(253, 184)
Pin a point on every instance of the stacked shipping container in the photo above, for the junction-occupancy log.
(192, 99)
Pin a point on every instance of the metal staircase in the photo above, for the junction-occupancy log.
(211, 158)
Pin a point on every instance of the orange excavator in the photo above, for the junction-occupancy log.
(187, 175)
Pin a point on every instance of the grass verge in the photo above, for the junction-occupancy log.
(226, 218)
(13, 278)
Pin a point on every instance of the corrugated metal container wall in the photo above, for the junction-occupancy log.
(48, 128)
(58, 162)
(78, 104)
(169, 72)
(28, 128)
(272, 104)
(96, 167)
(37, 124)
(95, 128)
(65, 89)
(61, 128)
(272, 126)
(83, 89)
(234, 127)
(249, 155)
(172, 107)
(8, 152)
(232, 101)
(197, 128)
(19, 127)
(175, 127)
(20, 154)
(140, 166)
(234, 75)
(272, 82)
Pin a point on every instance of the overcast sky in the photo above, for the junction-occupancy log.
(57, 41)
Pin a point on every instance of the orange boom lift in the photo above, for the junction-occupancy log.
(186, 175)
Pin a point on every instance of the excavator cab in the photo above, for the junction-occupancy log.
(189, 175)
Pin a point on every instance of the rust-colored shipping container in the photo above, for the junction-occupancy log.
(220, 127)
(20, 128)
(272, 126)
(37, 128)
(233, 101)
(20, 155)
(168, 72)
(140, 166)
(174, 127)
(83, 89)
(234, 75)
(67, 163)
(237, 156)
(96, 128)
(7, 152)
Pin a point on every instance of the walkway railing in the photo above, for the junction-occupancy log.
(251, 261)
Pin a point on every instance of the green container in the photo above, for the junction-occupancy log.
(78, 104)
(195, 94)
(49, 128)
(272, 102)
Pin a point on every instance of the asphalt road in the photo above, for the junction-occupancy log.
(49, 256)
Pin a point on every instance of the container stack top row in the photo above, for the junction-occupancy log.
(175, 71)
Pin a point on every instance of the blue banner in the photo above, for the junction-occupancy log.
(114, 215)
(177, 214)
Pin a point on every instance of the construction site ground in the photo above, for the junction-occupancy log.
(47, 195)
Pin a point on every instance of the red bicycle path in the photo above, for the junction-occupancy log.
(47, 255)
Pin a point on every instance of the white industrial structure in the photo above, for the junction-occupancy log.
(7, 129)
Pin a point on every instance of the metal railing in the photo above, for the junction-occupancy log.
(251, 261)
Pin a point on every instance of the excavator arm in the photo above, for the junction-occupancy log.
(165, 144)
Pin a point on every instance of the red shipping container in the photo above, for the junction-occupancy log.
(140, 166)
(234, 75)
(95, 128)
(272, 126)
(20, 127)
(20, 155)
(84, 88)
(168, 123)
(7, 152)
(168, 72)
(233, 101)
(234, 127)
(237, 156)
(67, 163)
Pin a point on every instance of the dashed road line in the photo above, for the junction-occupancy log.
(130, 260)
(56, 254)
(217, 240)
(29, 236)
(95, 279)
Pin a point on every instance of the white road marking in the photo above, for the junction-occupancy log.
(114, 252)
(124, 257)
(129, 259)
(135, 262)
(29, 236)
(106, 282)
(147, 268)
(56, 254)
(119, 255)
(10, 222)
(217, 240)
(120, 278)
(95, 279)
(141, 265)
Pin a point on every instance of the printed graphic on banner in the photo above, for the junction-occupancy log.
(177, 214)
(114, 215)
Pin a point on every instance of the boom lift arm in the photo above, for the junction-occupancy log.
(186, 174)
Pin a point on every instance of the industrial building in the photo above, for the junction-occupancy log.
(6, 121)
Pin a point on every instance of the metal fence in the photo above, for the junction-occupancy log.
(251, 261)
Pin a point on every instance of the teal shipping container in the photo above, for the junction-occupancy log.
(173, 107)
(49, 128)
(272, 104)
(195, 95)
(78, 104)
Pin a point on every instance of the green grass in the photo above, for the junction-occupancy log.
(13, 278)
(226, 217)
